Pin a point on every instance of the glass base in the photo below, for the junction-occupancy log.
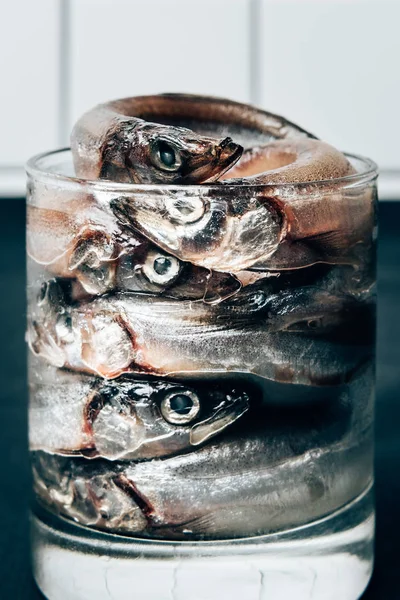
(329, 559)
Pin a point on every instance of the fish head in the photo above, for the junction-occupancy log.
(218, 229)
(145, 419)
(190, 226)
(91, 496)
(149, 270)
(49, 323)
(94, 337)
(160, 154)
(153, 271)
(91, 260)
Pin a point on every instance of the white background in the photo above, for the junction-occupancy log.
(330, 65)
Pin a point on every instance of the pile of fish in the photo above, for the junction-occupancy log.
(201, 361)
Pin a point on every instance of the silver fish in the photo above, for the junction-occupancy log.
(96, 501)
(217, 117)
(130, 419)
(270, 225)
(170, 138)
(74, 237)
(102, 259)
(285, 468)
(271, 337)
(110, 145)
(154, 272)
(301, 160)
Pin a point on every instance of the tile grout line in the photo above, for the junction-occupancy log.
(255, 51)
(64, 74)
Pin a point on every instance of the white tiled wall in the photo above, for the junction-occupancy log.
(121, 48)
(330, 65)
(29, 60)
(333, 66)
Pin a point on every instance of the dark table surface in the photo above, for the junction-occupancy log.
(15, 578)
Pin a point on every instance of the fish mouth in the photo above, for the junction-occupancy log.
(226, 415)
(213, 163)
(228, 153)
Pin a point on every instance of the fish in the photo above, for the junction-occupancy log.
(57, 227)
(305, 308)
(156, 272)
(300, 160)
(271, 222)
(128, 149)
(96, 502)
(281, 469)
(348, 282)
(74, 237)
(128, 419)
(170, 138)
(269, 336)
(91, 249)
(217, 117)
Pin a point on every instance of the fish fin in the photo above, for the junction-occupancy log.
(332, 241)
(203, 524)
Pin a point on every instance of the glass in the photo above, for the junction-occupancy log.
(217, 427)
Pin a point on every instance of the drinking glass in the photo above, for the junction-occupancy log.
(197, 434)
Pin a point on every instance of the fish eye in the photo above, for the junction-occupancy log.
(180, 407)
(161, 268)
(165, 156)
(185, 210)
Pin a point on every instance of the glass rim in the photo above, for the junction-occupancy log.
(33, 169)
